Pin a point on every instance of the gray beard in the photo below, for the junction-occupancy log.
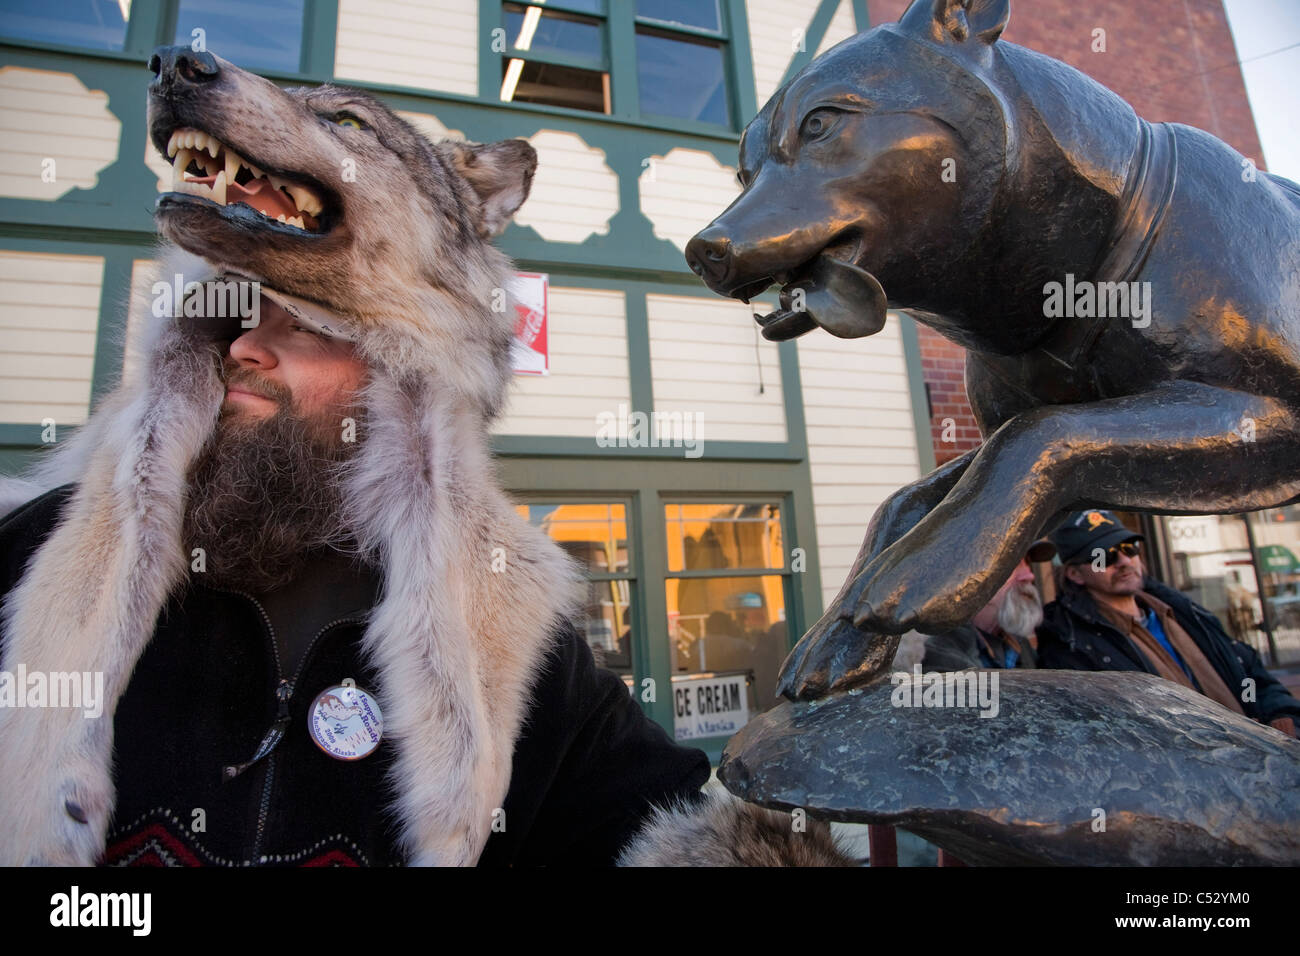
(262, 496)
(1021, 610)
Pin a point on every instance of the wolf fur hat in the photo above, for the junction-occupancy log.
(400, 250)
(389, 232)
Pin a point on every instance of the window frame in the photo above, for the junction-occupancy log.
(152, 25)
(620, 24)
(784, 504)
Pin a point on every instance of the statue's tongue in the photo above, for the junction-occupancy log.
(843, 299)
(838, 296)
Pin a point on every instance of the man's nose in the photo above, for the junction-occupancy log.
(252, 349)
(179, 67)
(1022, 573)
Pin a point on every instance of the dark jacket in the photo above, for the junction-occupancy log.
(587, 764)
(959, 649)
(1075, 636)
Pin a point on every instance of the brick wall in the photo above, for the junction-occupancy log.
(1174, 61)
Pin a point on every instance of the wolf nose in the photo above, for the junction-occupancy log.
(709, 254)
(181, 66)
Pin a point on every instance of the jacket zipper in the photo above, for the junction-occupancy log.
(283, 694)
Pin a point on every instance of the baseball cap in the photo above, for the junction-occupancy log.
(1041, 550)
(1084, 531)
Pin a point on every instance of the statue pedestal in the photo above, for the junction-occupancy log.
(1070, 768)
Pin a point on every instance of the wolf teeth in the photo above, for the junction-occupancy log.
(304, 199)
(186, 146)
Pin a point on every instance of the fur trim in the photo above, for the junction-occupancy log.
(726, 831)
(456, 645)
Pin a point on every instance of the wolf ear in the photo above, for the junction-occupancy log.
(501, 174)
(956, 21)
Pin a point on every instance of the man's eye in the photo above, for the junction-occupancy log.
(819, 122)
(348, 120)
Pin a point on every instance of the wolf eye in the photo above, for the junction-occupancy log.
(348, 120)
(819, 122)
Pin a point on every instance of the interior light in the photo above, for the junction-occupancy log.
(511, 80)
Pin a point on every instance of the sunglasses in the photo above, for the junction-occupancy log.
(1130, 549)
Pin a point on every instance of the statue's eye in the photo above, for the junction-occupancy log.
(348, 120)
(819, 122)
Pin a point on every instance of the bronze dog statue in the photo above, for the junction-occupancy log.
(1129, 294)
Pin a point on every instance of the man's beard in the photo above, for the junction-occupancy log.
(1021, 610)
(264, 493)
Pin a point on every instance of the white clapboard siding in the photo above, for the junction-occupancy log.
(861, 437)
(683, 191)
(49, 315)
(842, 26)
(704, 360)
(775, 27)
(425, 44)
(47, 116)
(144, 272)
(588, 367)
(574, 192)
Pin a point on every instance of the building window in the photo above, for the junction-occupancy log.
(681, 74)
(596, 536)
(558, 54)
(252, 34)
(726, 593)
(94, 24)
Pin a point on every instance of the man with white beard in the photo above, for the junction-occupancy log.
(1002, 634)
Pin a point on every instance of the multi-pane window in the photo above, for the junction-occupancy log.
(726, 592)
(596, 536)
(94, 24)
(558, 53)
(252, 34)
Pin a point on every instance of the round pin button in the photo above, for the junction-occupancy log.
(345, 722)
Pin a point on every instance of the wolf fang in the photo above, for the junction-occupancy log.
(946, 689)
(1128, 300)
(93, 909)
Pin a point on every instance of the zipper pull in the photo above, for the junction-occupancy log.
(273, 736)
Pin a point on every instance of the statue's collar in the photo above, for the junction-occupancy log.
(1143, 206)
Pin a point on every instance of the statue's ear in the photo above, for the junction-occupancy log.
(955, 22)
(501, 175)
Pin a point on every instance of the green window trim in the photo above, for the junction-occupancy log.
(154, 24)
(649, 485)
(620, 24)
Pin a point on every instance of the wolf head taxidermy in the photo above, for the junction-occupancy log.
(327, 197)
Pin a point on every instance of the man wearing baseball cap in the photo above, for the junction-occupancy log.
(1110, 616)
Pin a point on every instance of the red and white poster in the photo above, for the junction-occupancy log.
(528, 292)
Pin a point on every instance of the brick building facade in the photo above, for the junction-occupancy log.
(1179, 66)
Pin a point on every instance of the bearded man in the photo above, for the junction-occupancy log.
(1003, 633)
(325, 635)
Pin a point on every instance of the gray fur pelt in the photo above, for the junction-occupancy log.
(725, 831)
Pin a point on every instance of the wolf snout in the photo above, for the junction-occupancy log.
(709, 256)
(181, 66)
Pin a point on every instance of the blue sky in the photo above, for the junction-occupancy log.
(1260, 27)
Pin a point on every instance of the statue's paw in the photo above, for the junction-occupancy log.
(890, 602)
(834, 656)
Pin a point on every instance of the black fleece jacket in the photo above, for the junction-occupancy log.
(1075, 636)
(587, 765)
